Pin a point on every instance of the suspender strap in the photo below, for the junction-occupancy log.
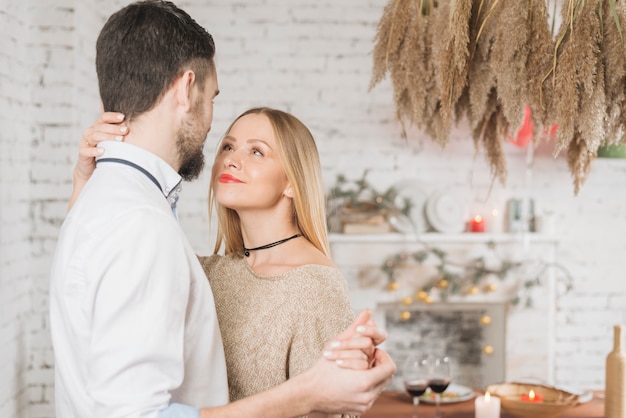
(133, 165)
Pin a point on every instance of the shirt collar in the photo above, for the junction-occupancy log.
(169, 180)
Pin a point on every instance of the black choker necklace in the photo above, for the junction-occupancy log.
(246, 251)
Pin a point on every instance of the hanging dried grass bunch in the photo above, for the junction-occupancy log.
(389, 36)
(579, 80)
(405, 42)
(510, 49)
(415, 74)
(437, 124)
(486, 115)
(540, 49)
(614, 57)
(488, 133)
(454, 56)
(491, 59)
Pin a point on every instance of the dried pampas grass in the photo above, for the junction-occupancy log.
(485, 110)
(389, 36)
(509, 59)
(614, 57)
(579, 83)
(579, 160)
(416, 73)
(437, 124)
(488, 59)
(541, 46)
(488, 133)
(454, 57)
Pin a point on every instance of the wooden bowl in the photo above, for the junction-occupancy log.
(555, 401)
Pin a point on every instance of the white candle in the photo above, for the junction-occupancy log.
(495, 222)
(487, 406)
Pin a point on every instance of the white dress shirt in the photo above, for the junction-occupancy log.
(132, 315)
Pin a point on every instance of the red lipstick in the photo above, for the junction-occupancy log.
(229, 178)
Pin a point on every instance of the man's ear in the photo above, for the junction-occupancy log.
(184, 89)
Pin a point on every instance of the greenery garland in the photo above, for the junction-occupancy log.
(453, 277)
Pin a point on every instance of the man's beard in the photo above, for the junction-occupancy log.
(190, 147)
(192, 162)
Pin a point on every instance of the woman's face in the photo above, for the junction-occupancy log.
(248, 173)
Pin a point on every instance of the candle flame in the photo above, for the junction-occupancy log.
(531, 394)
(495, 212)
(478, 218)
(487, 396)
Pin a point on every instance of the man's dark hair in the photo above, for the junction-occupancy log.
(143, 48)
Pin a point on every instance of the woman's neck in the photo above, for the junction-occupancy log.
(259, 229)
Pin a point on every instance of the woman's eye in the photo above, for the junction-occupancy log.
(226, 147)
(257, 151)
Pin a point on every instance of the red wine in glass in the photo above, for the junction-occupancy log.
(439, 385)
(439, 378)
(415, 379)
(416, 388)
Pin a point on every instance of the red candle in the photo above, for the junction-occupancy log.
(532, 397)
(477, 224)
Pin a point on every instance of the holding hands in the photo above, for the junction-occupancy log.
(363, 373)
(355, 348)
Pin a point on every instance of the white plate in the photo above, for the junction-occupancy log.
(584, 396)
(413, 191)
(446, 212)
(453, 394)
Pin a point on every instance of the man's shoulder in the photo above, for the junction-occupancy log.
(113, 194)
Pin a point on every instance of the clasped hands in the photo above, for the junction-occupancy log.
(355, 348)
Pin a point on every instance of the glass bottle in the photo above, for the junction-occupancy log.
(615, 383)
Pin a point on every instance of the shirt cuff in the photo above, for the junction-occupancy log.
(177, 410)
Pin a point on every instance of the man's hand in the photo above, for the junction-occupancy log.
(335, 389)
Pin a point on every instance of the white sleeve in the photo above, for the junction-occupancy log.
(176, 410)
(136, 355)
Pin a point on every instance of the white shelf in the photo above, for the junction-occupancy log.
(435, 237)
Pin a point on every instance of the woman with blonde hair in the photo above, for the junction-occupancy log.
(276, 276)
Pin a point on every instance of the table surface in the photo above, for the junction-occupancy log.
(398, 405)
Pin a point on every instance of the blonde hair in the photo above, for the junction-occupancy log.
(298, 153)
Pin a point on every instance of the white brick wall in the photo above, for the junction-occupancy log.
(309, 57)
(15, 219)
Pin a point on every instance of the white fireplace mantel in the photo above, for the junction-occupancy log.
(529, 331)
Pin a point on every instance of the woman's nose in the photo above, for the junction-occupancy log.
(232, 161)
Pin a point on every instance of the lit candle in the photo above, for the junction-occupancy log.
(487, 406)
(477, 224)
(532, 397)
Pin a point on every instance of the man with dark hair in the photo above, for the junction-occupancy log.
(133, 320)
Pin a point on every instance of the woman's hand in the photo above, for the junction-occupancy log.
(355, 348)
(109, 127)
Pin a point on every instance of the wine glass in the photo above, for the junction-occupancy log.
(438, 378)
(415, 377)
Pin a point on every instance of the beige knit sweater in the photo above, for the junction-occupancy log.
(274, 327)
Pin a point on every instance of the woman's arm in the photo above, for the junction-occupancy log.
(327, 312)
(323, 388)
(108, 128)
